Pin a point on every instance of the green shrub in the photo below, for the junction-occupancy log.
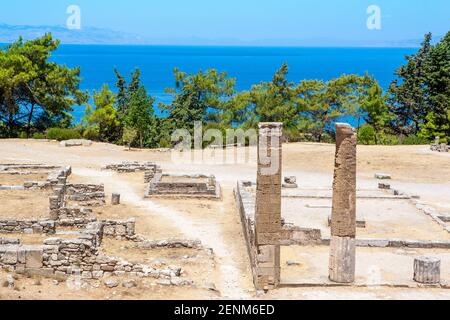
(165, 143)
(388, 139)
(61, 134)
(22, 135)
(38, 135)
(366, 135)
(414, 140)
(128, 136)
(92, 133)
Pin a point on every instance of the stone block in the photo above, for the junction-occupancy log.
(10, 256)
(383, 176)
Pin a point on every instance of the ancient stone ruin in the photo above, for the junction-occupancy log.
(268, 205)
(439, 147)
(76, 143)
(290, 182)
(76, 251)
(150, 169)
(267, 233)
(343, 218)
(50, 175)
(189, 186)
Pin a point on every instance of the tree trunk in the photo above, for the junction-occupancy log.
(140, 139)
(30, 117)
(10, 125)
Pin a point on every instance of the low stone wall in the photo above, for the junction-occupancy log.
(18, 257)
(9, 241)
(76, 143)
(441, 147)
(133, 166)
(79, 223)
(25, 169)
(119, 229)
(67, 213)
(171, 243)
(76, 189)
(398, 243)
(292, 235)
(149, 175)
(246, 205)
(80, 256)
(27, 226)
(89, 195)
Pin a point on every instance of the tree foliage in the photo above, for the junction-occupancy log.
(103, 119)
(32, 88)
(421, 96)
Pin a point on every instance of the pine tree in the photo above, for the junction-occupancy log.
(410, 97)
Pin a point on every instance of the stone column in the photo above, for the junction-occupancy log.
(343, 218)
(427, 270)
(268, 206)
(115, 199)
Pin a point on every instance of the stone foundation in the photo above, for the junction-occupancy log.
(27, 226)
(89, 195)
(190, 186)
(441, 147)
(80, 255)
(133, 166)
(54, 173)
(119, 229)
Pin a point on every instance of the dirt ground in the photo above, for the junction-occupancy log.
(19, 180)
(216, 223)
(24, 204)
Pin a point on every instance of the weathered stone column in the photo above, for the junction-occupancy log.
(427, 270)
(115, 199)
(343, 218)
(268, 206)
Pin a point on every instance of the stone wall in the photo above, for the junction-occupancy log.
(171, 243)
(9, 241)
(119, 229)
(54, 173)
(133, 166)
(441, 147)
(83, 195)
(293, 235)
(86, 194)
(19, 257)
(80, 256)
(68, 213)
(79, 223)
(27, 226)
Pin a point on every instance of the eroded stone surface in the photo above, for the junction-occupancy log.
(343, 217)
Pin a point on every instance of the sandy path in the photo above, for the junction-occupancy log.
(207, 232)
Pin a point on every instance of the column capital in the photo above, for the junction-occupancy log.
(270, 125)
(270, 128)
(344, 128)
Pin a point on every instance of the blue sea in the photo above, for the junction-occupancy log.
(249, 65)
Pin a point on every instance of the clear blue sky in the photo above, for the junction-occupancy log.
(244, 20)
